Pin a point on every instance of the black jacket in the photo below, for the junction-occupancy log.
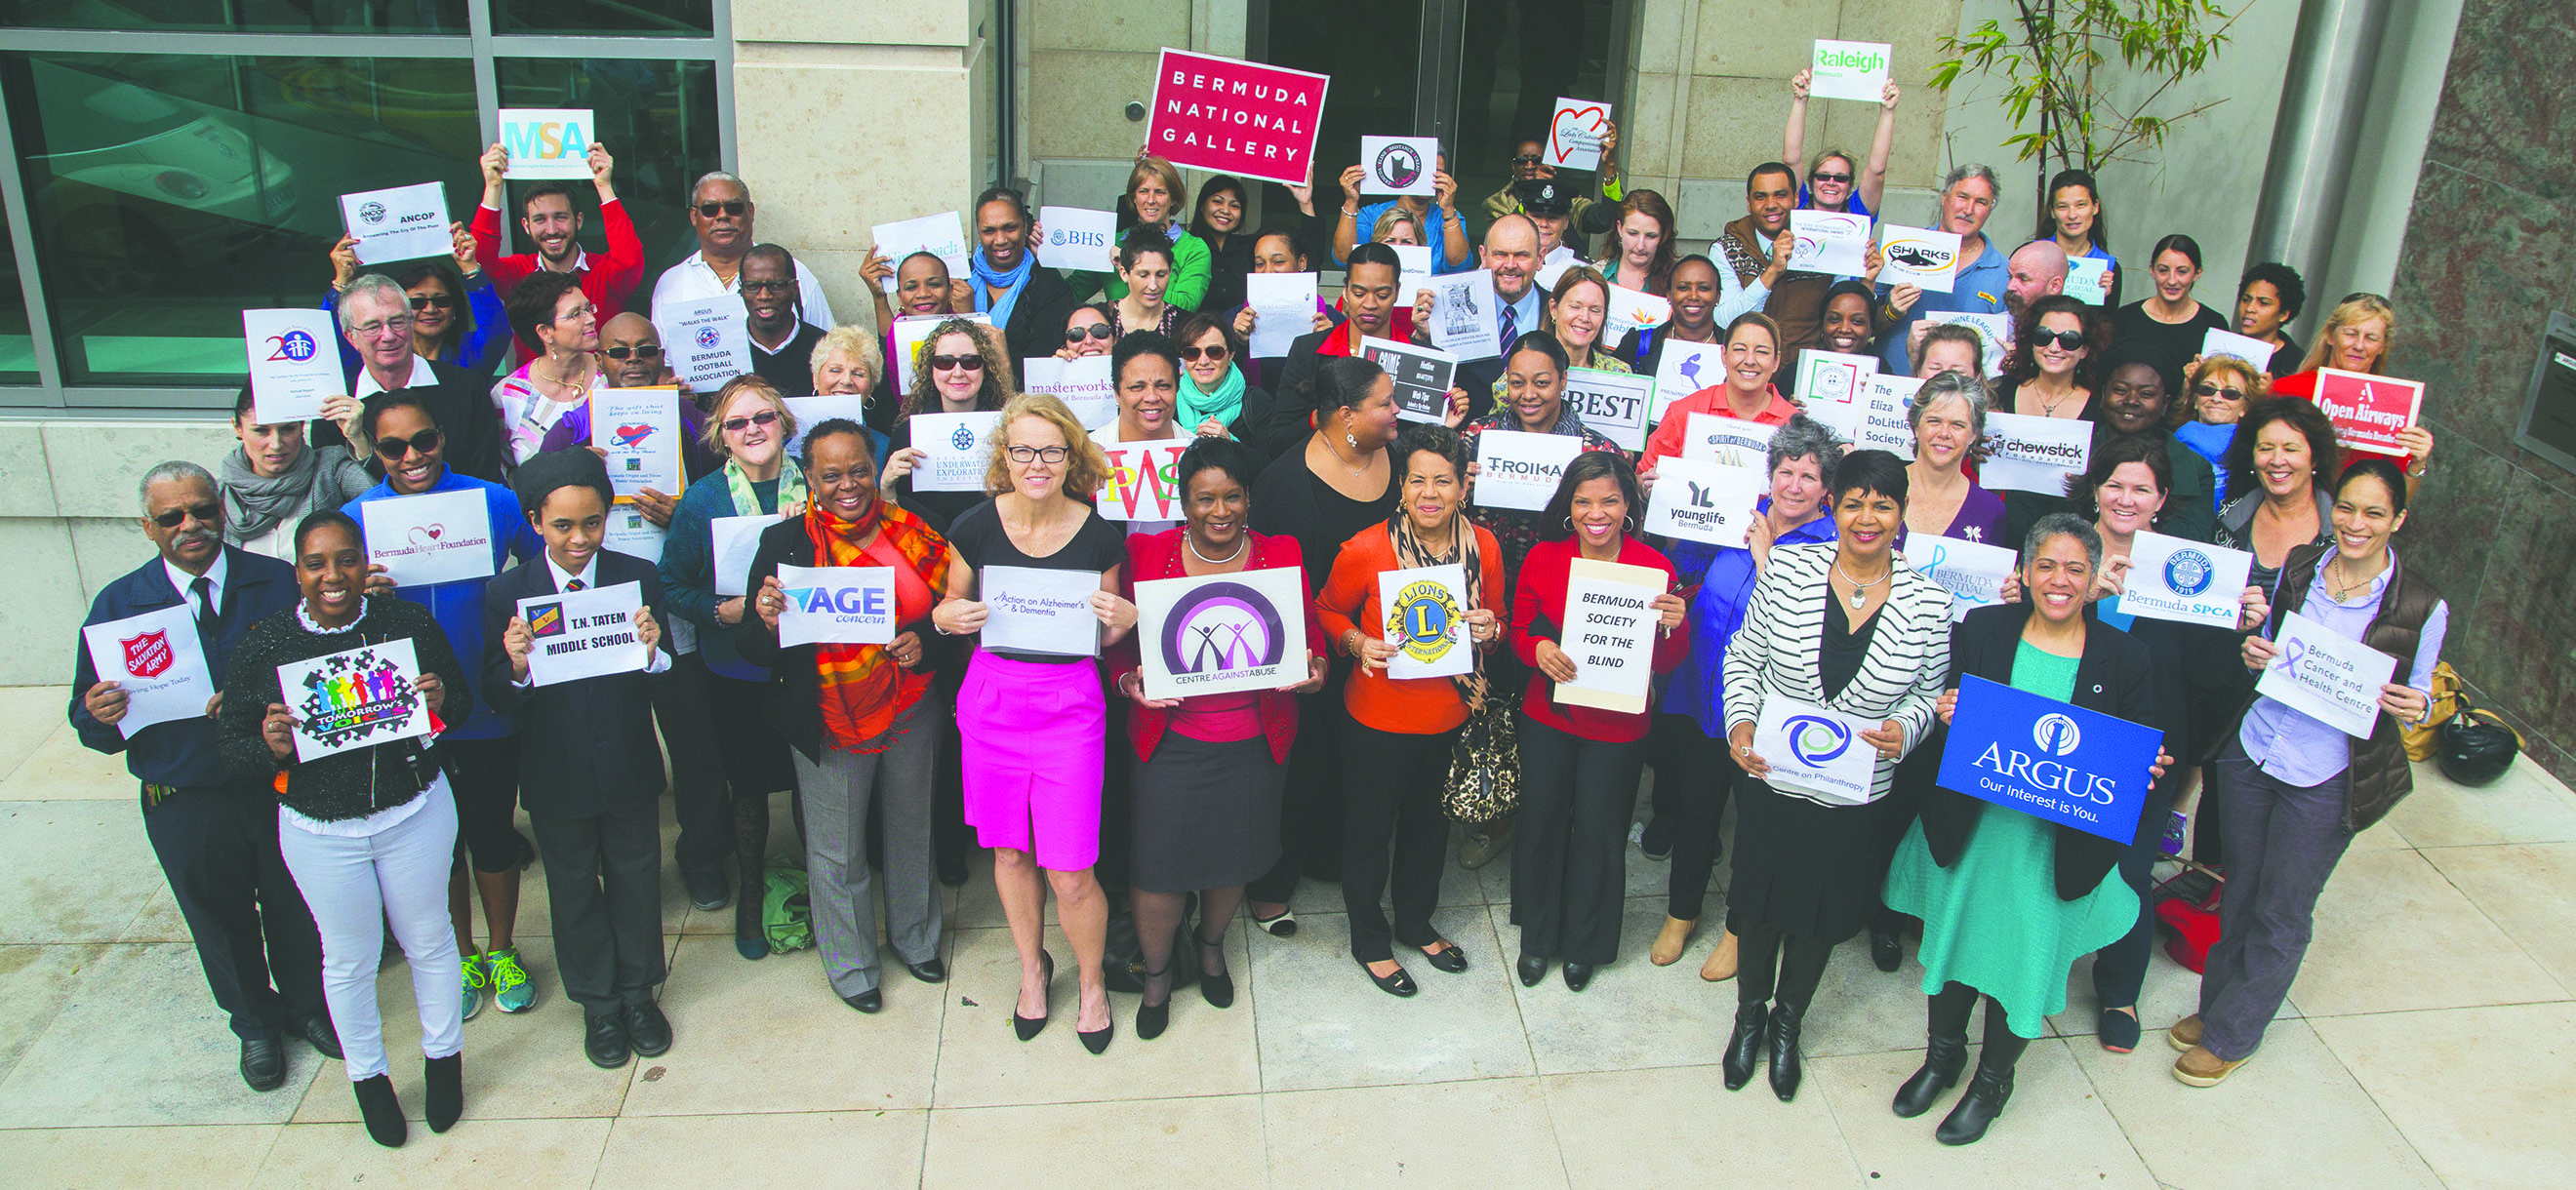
(180, 752)
(1037, 319)
(793, 708)
(358, 782)
(2116, 676)
(586, 748)
(1292, 400)
(463, 407)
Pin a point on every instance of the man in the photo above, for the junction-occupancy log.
(2034, 271)
(546, 214)
(375, 318)
(1369, 310)
(720, 211)
(782, 342)
(215, 835)
(1511, 251)
(1980, 281)
(1029, 303)
(1529, 164)
(588, 763)
(1548, 209)
(1756, 249)
(631, 353)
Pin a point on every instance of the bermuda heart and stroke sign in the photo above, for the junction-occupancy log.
(1574, 133)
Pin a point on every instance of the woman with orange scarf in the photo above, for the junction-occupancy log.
(856, 716)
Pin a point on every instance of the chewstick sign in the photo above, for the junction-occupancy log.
(1236, 117)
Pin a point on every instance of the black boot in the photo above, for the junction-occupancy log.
(1943, 1059)
(1744, 1046)
(445, 1099)
(381, 1112)
(1987, 1094)
(1785, 1020)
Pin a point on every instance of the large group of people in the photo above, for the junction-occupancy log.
(1159, 820)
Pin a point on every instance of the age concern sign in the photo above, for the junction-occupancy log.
(1236, 117)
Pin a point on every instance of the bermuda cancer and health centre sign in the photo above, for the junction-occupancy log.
(1236, 117)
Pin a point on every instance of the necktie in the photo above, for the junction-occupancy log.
(204, 590)
(1511, 329)
(575, 585)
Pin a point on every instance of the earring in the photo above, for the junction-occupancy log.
(1569, 524)
(1353, 439)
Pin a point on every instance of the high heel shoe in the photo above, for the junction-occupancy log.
(1785, 1072)
(381, 1112)
(1744, 1045)
(1028, 1027)
(1097, 1041)
(1978, 1109)
(1218, 989)
(1151, 1019)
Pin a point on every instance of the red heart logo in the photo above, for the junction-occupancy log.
(1588, 121)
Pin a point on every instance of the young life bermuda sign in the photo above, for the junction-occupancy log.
(1236, 117)
(2051, 760)
(1222, 633)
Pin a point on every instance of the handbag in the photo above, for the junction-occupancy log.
(2423, 742)
(2477, 745)
(1484, 766)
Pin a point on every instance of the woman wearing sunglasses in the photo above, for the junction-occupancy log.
(456, 316)
(1087, 331)
(1214, 394)
(961, 371)
(481, 755)
(1834, 182)
(2220, 388)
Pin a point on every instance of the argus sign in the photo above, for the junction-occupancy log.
(1236, 117)
(2051, 760)
(1220, 634)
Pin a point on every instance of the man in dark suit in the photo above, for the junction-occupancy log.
(590, 769)
(1030, 303)
(215, 835)
(375, 316)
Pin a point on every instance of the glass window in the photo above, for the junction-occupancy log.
(656, 118)
(168, 192)
(17, 346)
(243, 16)
(663, 18)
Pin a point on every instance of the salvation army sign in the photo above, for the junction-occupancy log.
(1236, 117)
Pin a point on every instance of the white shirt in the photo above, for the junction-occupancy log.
(181, 580)
(655, 662)
(694, 280)
(419, 374)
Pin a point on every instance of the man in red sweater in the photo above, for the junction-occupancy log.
(547, 216)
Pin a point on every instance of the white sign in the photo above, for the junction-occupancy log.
(1686, 368)
(1829, 242)
(2173, 578)
(1973, 570)
(548, 143)
(1521, 470)
(1465, 315)
(911, 331)
(1082, 383)
(1222, 633)
(1815, 751)
(1283, 307)
(814, 411)
(1399, 164)
(839, 604)
(1917, 256)
(631, 532)
(1421, 375)
(638, 429)
(432, 538)
(1033, 610)
(1849, 70)
(1884, 423)
(942, 235)
(359, 698)
(1833, 387)
(2035, 454)
(1718, 438)
(1610, 634)
(2245, 347)
(294, 363)
(731, 543)
(1632, 310)
(1616, 404)
(1994, 334)
(957, 450)
(706, 342)
(157, 659)
(584, 634)
(1574, 133)
(1076, 238)
(1426, 621)
(1144, 481)
(2327, 676)
(2088, 280)
(400, 223)
(1703, 501)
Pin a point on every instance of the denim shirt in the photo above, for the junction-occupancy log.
(1725, 577)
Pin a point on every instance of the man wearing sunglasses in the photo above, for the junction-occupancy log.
(720, 211)
(375, 317)
(546, 214)
(1529, 164)
(782, 343)
(215, 834)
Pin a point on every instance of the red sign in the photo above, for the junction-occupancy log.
(148, 655)
(2368, 411)
(1236, 117)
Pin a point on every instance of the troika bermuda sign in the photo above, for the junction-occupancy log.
(1236, 117)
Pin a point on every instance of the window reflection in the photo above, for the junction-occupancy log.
(669, 18)
(657, 119)
(245, 16)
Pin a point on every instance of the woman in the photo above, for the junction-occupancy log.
(1214, 394)
(1838, 625)
(849, 363)
(860, 718)
(2268, 299)
(1752, 357)
(1436, 218)
(1395, 748)
(1702, 767)
(2294, 791)
(2283, 452)
(1847, 325)
(2138, 389)
(1369, 311)
(748, 427)
(2075, 220)
(1144, 273)
(1088, 331)
(1530, 398)
(456, 315)
(1398, 227)
(2009, 901)
(922, 288)
(1950, 347)
(2357, 338)
(2220, 388)
(366, 831)
(1838, 182)
(1580, 765)
(973, 379)
(1948, 417)
(1145, 375)
(2170, 323)
(2045, 375)
(1275, 251)
(276, 477)
(550, 310)
(1644, 259)
(1210, 768)
(1577, 311)
(1693, 287)
(1216, 222)
(1032, 722)
(1335, 483)
(1155, 194)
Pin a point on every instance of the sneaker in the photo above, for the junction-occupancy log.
(2185, 1033)
(1483, 844)
(478, 979)
(2200, 1068)
(511, 991)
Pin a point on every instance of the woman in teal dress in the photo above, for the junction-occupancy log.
(2009, 901)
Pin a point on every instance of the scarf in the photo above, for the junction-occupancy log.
(254, 503)
(859, 689)
(1012, 283)
(746, 502)
(1410, 553)
(1223, 404)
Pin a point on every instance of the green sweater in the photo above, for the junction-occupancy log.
(1193, 266)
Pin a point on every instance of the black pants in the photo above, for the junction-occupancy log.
(1570, 842)
(1770, 967)
(218, 847)
(2120, 969)
(485, 778)
(1693, 788)
(604, 891)
(1117, 807)
(1394, 791)
(1311, 805)
(697, 774)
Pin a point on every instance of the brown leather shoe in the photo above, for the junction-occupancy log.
(2185, 1033)
(1674, 939)
(1720, 966)
(2200, 1068)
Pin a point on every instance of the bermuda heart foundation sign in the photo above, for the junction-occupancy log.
(1222, 633)
(1574, 133)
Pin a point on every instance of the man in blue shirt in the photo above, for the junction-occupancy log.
(215, 835)
(1981, 280)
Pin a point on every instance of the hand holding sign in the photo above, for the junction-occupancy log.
(1575, 133)
(547, 143)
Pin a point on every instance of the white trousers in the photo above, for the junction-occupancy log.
(357, 883)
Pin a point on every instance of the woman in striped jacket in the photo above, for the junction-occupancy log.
(1841, 626)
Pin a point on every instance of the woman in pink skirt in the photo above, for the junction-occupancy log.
(1030, 716)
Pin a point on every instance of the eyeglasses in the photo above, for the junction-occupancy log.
(205, 514)
(1837, 179)
(767, 286)
(2065, 340)
(736, 425)
(1526, 159)
(639, 351)
(577, 313)
(1035, 454)
(951, 363)
(425, 442)
(735, 208)
(1213, 354)
(399, 324)
(2212, 390)
(431, 301)
(1076, 334)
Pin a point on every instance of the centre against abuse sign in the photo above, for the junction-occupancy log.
(1236, 117)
